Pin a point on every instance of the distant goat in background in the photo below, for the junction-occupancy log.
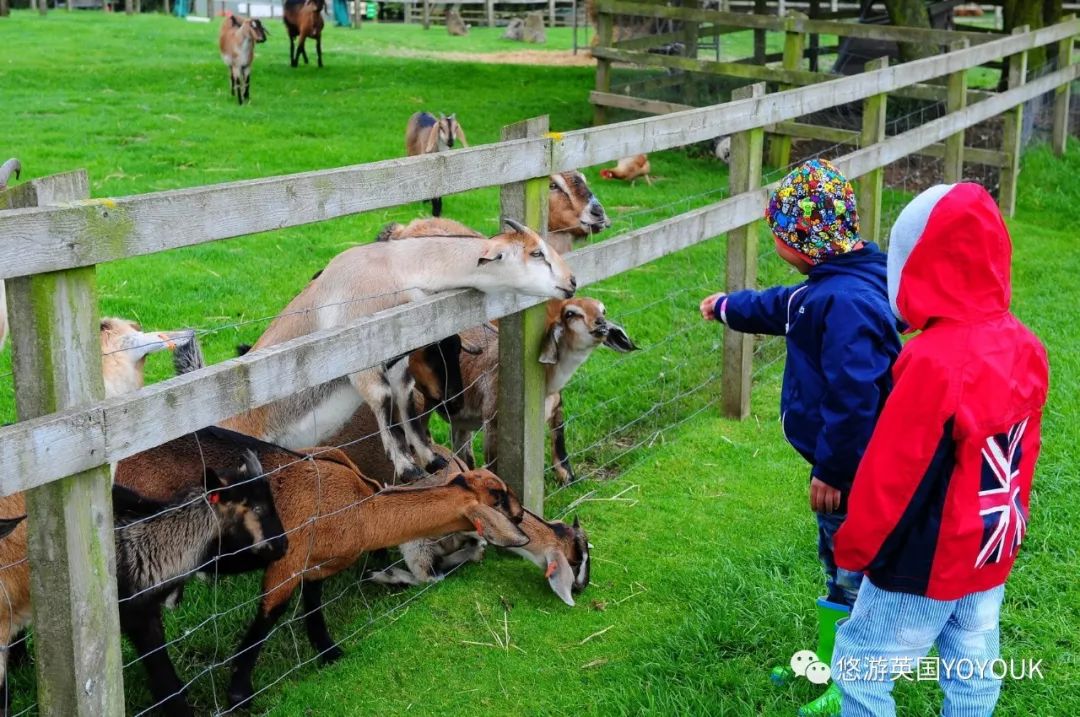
(303, 19)
(425, 134)
(237, 43)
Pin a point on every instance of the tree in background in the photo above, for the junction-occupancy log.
(911, 13)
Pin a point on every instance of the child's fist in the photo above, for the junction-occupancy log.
(707, 306)
(823, 497)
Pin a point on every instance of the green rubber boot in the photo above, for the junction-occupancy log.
(828, 705)
(829, 613)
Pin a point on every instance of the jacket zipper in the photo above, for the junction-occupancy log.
(787, 324)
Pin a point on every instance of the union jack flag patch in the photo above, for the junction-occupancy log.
(1003, 515)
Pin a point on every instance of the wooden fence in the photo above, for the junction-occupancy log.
(60, 450)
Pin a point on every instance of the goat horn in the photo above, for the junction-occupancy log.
(515, 225)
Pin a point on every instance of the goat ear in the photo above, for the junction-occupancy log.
(212, 480)
(9, 524)
(618, 340)
(495, 252)
(471, 348)
(549, 354)
(130, 504)
(235, 22)
(559, 575)
(495, 527)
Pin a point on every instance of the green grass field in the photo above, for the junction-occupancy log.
(704, 569)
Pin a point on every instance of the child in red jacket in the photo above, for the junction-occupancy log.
(939, 505)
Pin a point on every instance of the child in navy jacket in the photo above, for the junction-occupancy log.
(841, 344)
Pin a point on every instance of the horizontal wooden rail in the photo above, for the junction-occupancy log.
(582, 148)
(33, 241)
(100, 230)
(38, 451)
(972, 155)
(793, 24)
(41, 450)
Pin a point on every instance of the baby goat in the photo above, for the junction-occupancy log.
(575, 327)
(303, 19)
(237, 43)
(425, 134)
(159, 547)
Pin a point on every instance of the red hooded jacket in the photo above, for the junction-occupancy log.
(939, 505)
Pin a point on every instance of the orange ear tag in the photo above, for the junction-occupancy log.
(550, 569)
(214, 498)
(479, 526)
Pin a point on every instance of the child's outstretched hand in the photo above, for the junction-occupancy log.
(707, 305)
(823, 497)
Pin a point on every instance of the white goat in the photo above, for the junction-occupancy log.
(375, 277)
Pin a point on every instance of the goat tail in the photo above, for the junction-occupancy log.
(389, 231)
(188, 357)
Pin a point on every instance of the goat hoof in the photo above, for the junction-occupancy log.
(564, 476)
(331, 655)
(410, 474)
(240, 695)
(437, 464)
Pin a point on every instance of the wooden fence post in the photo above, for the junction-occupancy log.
(871, 184)
(1012, 134)
(794, 42)
(604, 29)
(489, 9)
(760, 8)
(551, 13)
(56, 357)
(425, 21)
(5, 8)
(521, 375)
(1062, 95)
(742, 251)
(957, 100)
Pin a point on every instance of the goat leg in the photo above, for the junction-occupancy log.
(462, 439)
(374, 388)
(294, 56)
(318, 47)
(315, 623)
(436, 206)
(401, 385)
(143, 626)
(240, 688)
(560, 459)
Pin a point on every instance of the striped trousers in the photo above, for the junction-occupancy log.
(889, 635)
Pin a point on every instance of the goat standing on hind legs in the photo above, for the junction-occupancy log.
(425, 134)
(237, 43)
(303, 19)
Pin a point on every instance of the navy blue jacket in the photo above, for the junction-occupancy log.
(841, 344)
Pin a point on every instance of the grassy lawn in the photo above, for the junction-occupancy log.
(704, 573)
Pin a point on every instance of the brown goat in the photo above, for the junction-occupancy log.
(574, 212)
(237, 44)
(332, 515)
(425, 134)
(303, 19)
(561, 550)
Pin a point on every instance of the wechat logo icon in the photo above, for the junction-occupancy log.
(805, 663)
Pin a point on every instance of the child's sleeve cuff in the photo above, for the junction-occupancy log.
(720, 309)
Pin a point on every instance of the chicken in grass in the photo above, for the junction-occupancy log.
(629, 169)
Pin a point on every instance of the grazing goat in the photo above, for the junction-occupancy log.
(332, 523)
(455, 26)
(303, 19)
(160, 546)
(561, 550)
(375, 277)
(237, 43)
(425, 134)
(629, 169)
(575, 327)
(12, 166)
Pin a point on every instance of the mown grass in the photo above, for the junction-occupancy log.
(704, 571)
